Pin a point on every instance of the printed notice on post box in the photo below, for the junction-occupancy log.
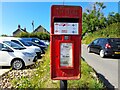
(66, 54)
(66, 28)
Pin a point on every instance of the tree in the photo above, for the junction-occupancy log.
(113, 18)
(94, 19)
(4, 35)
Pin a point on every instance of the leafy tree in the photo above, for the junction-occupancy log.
(4, 35)
(113, 18)
(93, 19)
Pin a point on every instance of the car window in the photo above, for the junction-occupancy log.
(3, 46)
(17, 42)
(38, 41)
(14, 45)
(95, 41)
(25, 43)
(35, 40)
(35, 44)
(30, 43)
(0, 46)
(115, 41)
(101, 41)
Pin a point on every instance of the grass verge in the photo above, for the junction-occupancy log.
(41, 77)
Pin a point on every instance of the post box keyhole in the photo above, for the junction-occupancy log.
(66, 37)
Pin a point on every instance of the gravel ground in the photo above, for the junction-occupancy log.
(7, 77)
(5, 80)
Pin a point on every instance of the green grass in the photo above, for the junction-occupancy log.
(41, 78)
(87, 79)
(112, 30)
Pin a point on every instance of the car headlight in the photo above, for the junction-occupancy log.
(28, 54)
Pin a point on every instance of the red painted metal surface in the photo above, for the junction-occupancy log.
(70, 14)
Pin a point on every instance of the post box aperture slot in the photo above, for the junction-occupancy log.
(66, 54)
(66, 26)
(71, 20)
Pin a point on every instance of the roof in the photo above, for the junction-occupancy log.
(40, 27)
(37, 28)
(19, 30)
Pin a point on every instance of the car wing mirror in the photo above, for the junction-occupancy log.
(4, 49)
(92, 43)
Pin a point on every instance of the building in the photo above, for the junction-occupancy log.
(40, 29)
(19, 30)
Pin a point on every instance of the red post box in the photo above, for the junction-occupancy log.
(66, 30)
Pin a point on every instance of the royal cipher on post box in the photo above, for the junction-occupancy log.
(65, 42)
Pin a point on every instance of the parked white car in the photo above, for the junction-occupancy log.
(24, 44)
(15, 55)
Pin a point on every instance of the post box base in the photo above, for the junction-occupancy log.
(66, 78)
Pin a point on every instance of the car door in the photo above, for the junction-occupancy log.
(94, 45)
(5, 56)
(98, 45)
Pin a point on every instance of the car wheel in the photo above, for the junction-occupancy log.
(102, 53)
(17, 64)
(89, 50)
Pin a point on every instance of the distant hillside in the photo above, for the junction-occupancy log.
(112, 30)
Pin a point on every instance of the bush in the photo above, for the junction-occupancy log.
(40, 35)
(23, 34)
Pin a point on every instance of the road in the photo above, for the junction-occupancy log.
(107, 68)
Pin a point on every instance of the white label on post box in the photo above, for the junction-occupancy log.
(66, 54)
(66, 28)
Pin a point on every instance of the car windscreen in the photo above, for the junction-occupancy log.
(14, 45)
(25, 43)
(32, 43)
(38, 41)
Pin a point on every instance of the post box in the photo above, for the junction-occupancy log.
(65, 42)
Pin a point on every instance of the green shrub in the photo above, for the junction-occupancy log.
(40, 35)
(23, 34)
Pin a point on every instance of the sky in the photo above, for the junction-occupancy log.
(13, 14)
